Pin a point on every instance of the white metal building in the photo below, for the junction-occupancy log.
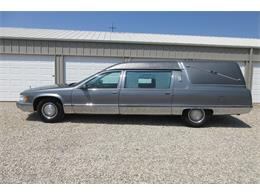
(36, 57)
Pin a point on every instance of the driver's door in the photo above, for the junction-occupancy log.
(99, 95)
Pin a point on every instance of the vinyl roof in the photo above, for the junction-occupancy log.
(121, 37)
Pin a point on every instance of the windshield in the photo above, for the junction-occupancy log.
(82, 81)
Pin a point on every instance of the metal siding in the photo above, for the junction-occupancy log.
(86, 50)
(120, 51)
(106, 50)
(134, 52)
(37, 47)
(125, 50)
(7, 46)
(72, 49)
(65, 49)
(171, 52)
(51, 47)
(93, 49)
(146, 51)
(29, 47)
(14, 45)
(1, 46)
(113, 50)
(256, 56)
(140, 51)
(100, 50)
(22, 47)
(79, 49)
(152, 52)
(58, 48)
(179, 52)
(165, 52)
(44, 47)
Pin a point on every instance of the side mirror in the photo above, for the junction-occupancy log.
(84, 87)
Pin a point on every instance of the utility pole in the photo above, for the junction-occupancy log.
(112, 27)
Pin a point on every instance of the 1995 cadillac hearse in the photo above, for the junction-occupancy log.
(195, 90)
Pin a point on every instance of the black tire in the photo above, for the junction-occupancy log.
(201, 121)
(51, 104)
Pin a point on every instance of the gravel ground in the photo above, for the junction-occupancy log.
(128, 149)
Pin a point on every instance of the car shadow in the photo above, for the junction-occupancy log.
(216, 121)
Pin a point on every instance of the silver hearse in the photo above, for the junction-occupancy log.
(195, 90)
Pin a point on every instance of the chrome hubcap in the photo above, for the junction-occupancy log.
(196, 115)
(49, 110)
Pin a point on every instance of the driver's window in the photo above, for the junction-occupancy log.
(107, 80)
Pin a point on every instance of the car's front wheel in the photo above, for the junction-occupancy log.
(50, 110)
(196, 117)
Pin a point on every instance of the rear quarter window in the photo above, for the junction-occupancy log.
(148, 79)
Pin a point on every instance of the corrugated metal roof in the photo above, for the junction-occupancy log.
(121, 37)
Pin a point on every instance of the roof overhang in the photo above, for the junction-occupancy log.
(129, 38)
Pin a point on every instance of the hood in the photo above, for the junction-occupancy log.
(61, 86)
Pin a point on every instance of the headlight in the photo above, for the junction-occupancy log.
(23, 98)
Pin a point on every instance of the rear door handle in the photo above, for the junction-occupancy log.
(167, 93)
(114, 92)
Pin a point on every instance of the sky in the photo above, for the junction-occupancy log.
(227, 24)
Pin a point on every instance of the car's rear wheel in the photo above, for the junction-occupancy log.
(196, 117)
(50, 110)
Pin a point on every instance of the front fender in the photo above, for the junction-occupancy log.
(55, 95)
(64, 97)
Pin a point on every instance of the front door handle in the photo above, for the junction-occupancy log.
(167, 93)
(114, 92)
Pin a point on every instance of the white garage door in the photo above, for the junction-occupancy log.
(256, 83)
(78, 68)
(18, 73)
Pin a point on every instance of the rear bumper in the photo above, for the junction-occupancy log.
(26, 107)
(231, 110)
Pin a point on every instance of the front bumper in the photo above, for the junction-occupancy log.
(26, 107)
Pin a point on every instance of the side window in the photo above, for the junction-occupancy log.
(148, 79)
(106, 80)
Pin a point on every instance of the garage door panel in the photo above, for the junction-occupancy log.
(78, 68)
(20, 72)
(256, 83)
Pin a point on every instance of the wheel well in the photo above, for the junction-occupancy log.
(37, 100)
